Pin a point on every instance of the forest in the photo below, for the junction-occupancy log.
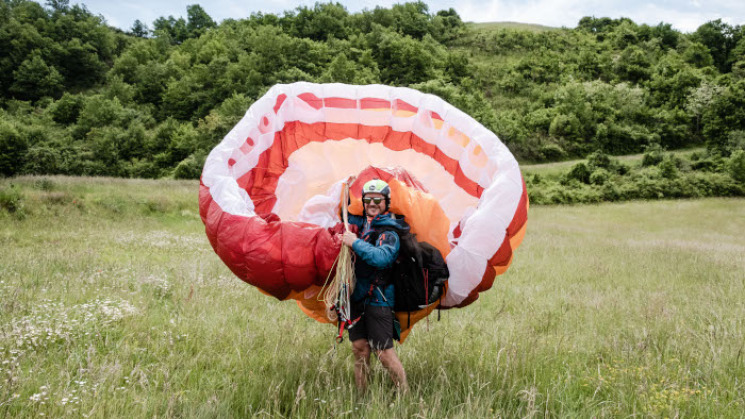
(79, 97)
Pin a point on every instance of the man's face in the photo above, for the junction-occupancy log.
(372, 208)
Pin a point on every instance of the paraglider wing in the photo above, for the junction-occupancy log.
(270, 191)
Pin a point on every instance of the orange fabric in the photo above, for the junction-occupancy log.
(423, 214)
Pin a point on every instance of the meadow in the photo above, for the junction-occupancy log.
(113, 304)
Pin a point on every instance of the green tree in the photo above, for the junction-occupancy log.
(139, 29)
(13, 149)
(67, 109)
(633, 65)
(736, 165)
(719, 38)
(172, 29)
(726, 113)
(198, 21)
(35, 79)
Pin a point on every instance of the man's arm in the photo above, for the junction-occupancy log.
(383, 254)
(356, 220)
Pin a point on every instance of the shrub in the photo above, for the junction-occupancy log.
(579, 172)
(736, 141)
(598, 159)
(736, 165)
(11, 199)
(669, 167)
(599, 176)
(653, 155)
(67, 109)
(551, 152)
(42, 160)
(12, 150)
(190, 167)
(45, 184)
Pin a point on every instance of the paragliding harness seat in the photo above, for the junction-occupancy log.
(418, 274)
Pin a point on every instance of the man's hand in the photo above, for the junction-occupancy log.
(351, 179)
(348, 238)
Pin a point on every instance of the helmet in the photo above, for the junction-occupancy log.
(377, 186)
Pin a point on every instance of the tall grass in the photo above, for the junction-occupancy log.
(114, 305)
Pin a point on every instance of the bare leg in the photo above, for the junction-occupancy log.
(390, 361)
(361, 350)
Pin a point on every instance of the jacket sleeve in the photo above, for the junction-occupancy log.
(356, 220)
(383, 254)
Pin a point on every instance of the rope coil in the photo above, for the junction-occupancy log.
(337, 293)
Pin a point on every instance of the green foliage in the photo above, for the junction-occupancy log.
(190, 167)
(140, 29)
(67, 109)
(579, 172)
(725, 114)
(43, 160)
(720, 38)
(35, 79)
(599, 176)
(657, 176)
(669, 167)
(13, 148)
(653, 155)
(736, 166)
(11, 199)
(87, 99)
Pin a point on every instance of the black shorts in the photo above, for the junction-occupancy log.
(376, 325)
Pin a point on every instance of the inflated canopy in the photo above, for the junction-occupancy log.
(270, 191)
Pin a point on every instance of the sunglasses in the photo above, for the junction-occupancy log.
(375, 200)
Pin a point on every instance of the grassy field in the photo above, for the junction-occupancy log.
(114, 305)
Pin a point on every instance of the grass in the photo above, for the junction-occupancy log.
(114, 305)
(495, 26)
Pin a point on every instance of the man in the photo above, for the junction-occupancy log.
(373, 327)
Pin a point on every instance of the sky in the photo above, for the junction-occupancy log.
(684, 15)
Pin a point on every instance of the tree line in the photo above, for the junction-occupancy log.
(79, 97)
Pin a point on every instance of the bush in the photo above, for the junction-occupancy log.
(12, 150)
(669, 167)
(653, 155)
(736, 141)
(579, 172)
(11, 199)
(190, 167)
(598, 159)
(552, 152)
(736, 165)
(42, 160)
(45, 184)
(67, 109)
(599, 176)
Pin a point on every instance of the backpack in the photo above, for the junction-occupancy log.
(418, 274)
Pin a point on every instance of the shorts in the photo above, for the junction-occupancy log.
(376, 325)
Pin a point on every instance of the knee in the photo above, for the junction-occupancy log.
(387, 356)
(361, 348)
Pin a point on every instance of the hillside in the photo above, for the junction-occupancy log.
(497, 26)
(78, 97)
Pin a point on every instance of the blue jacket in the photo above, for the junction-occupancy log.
(374, 257)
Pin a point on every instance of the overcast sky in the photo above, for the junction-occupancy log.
(684, 15)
